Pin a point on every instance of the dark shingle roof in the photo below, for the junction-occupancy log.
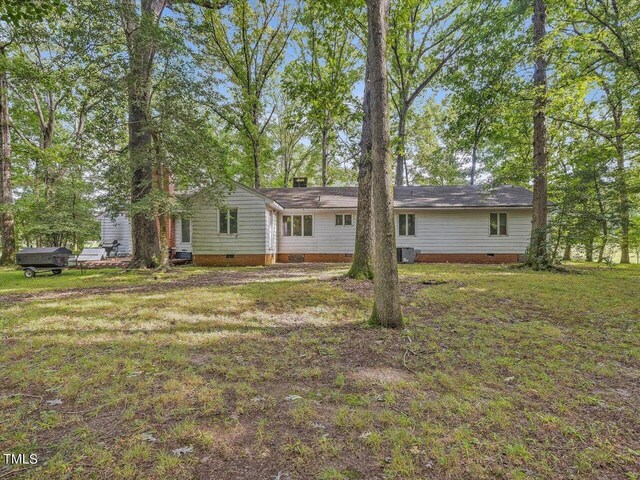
(459, 196)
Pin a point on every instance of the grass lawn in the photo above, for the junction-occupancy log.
(273, 374)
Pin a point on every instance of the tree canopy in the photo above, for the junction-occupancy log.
(99, 99)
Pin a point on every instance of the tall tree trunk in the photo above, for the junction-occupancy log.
(325, 155)
(141, 43)
(556, 247)
(255, 151)
(567, 253)
(601, 249)
(603, 220)
(386, 309)
(255, 143)
(538, 254)
(162, 181)
(363, 265)
(144, 229)
(285, 180)
(474, 161)
(588, 247)
(406, 172)
(6, 188)
(474, 152)
(621, 182)
(400, 146)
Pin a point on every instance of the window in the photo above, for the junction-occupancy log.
(185, 230)
(308, 226)
(286, 225)
(406, 224)
(344, 220)
(297, 225)
(498, 224)
(228, 221)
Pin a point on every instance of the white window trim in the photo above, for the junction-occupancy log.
(342, 225)
(228, 223)
(190, 230)
(313, 225)
(498, 234)
(272, 222)
(415, 223)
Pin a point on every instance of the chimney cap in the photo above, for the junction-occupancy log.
(299, 182)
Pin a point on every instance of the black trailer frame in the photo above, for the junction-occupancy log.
(30, 272)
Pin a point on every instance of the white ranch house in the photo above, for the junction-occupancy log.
(465, 224)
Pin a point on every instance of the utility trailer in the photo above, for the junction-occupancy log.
(51, 259)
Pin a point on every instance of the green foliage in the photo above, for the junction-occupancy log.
(62, 216)
(246, 45)
(539, 258)
(18, 11)
(435, 161)
(323, 75)
(56, 89)
(261, 83)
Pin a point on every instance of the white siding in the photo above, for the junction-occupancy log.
(467, 231)
(437, 231)
(117, 229)
(181, 245)
(327, 237)
(251, 236)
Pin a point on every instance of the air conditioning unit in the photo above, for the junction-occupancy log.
(406, 254)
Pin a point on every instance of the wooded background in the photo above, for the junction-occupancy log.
(101, 101)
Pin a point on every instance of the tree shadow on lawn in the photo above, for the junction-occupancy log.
(318, 397)
(212, 277)
(217, 393)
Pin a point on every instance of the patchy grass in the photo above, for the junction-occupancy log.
(500, 373)
(13, 281)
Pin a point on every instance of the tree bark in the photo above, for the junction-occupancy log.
(400, 155)
(142, 48)
(325, 156)
(363, 265)
(6, 188)
(474, 152)
(285, 180)
(538, 252)
(567, 253)
(474, 160)
(621, 181)
(556, 247)
(601, 249)
(386, 309)
(162, 184)
(255, 150)
(603, 220)
(255, 143)
(588, 247)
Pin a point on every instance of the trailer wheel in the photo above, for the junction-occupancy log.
(29, 273)
(57, 271)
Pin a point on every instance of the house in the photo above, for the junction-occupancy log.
(465, 224)
(119, 229)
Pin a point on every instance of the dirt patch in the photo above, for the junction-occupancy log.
(364, 288)
(380, 375)
(216, 277)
